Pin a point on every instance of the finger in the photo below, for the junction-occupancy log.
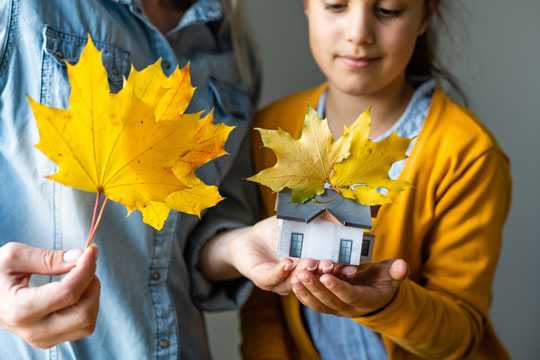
(363, 297)
(35, 303)
(270, 275)
(398, 270)
(21, 258)
(307, 264)
(306, 298)
(349, 272)
(326, 266)
(69, 324)
(369, 273)
(313, 284)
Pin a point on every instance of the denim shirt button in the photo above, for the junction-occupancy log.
(115, 72)
(164, 343)
(166, 65)
(59, 55)
(156, 276)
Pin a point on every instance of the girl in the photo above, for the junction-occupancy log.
(445, 231)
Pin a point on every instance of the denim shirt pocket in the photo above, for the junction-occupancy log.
(61, 47)
(231, 105)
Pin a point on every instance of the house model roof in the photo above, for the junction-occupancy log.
(348, 212)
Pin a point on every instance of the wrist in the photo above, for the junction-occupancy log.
(218, 261)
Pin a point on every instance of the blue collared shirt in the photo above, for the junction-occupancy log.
(152, 292)
(337, 337)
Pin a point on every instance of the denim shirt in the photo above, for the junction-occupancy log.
(152, 292)
(337, 337)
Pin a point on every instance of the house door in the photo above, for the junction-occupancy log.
(345, 250)
(297, 240)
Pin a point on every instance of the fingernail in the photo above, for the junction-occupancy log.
(287, 266)
(312, 267)
(328, 267)
(96, 250)
(72, 255)
(348, 271)
(326, 281)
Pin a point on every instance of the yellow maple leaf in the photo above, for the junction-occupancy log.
(303, 165)
(365, 171)
(354, 165)
(136, 146)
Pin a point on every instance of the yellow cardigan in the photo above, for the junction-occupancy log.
(448, 228)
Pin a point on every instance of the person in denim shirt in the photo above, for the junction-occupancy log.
(146, 296)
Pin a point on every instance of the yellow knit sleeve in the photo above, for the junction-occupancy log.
(443, 315)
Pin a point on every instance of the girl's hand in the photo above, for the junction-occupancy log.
(254, 256)
(349, 290)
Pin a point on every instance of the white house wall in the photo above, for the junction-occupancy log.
(321, 239)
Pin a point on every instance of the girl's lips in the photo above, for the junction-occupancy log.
(355, 63)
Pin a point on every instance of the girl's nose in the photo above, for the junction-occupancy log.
(359, 28)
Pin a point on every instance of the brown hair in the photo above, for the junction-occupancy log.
(424, 63)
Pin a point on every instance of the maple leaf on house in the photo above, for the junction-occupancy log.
(303, 165)
(361, 176)
(354, 166)
(137, 146)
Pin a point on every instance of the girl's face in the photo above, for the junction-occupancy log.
(364, 46)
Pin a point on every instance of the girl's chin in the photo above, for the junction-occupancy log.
(356, 88)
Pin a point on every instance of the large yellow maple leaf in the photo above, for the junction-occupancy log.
(303, 165)
(365, 172)
(137, 146)
(353, 165)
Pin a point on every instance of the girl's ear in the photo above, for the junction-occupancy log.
(424, 26)
(429, 11)
(306, 5)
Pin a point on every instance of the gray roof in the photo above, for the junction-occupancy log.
(348, 212)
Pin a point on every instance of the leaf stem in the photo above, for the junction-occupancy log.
(96, 222)
(96, 203)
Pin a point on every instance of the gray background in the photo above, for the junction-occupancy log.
(494, 50)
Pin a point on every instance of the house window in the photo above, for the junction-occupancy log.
(345, 249)
(365, 246)
(297, 239)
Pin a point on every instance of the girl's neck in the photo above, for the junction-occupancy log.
(387, 105)
(165, 14)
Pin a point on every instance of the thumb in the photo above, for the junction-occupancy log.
(398, 270)
(27, 259)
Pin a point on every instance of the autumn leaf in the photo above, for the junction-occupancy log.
(303, 165)
(353, 165)
(137, 146)
(361, 176)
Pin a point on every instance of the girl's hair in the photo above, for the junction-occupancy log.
(247, 60)
(424, 63)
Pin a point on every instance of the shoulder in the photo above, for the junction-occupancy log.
(287, 110)
(457, 131)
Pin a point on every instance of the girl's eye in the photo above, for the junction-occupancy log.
(387, 13)
(336, 8)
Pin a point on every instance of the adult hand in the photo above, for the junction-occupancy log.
(60, 311)
(254, 256)
(349, 290)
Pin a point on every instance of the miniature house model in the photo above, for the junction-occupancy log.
(305, 234)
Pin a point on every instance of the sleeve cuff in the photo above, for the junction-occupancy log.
(405, 307)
